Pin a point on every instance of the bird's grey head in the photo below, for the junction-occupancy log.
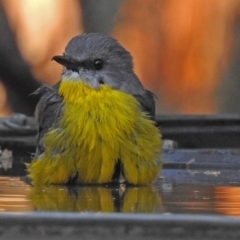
(97, 59)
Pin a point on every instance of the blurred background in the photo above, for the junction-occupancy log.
(187, 52)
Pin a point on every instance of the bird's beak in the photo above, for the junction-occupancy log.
(62, 60)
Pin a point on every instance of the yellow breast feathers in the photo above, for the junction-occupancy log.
(97, 128)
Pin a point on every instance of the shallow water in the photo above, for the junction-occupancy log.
(176, 191)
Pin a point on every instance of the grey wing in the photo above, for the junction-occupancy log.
(147, 103)
(47, 113)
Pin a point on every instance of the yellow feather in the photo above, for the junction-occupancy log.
(97, 127)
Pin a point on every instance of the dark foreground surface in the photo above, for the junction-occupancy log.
(117, 226)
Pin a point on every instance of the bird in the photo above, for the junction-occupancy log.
(97, 124)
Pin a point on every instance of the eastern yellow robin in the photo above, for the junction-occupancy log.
(97, 123)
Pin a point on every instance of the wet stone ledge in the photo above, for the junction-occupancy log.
(117, 226)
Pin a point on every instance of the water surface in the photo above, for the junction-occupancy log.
(176, 191)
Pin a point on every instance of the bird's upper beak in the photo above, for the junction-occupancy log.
(66, 62)
(62, 60)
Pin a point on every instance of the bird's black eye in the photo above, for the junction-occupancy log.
(98, 64)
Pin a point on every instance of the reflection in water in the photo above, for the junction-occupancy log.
(141, 200)
(227, 200)
(96, 199)
(56, 198)
(188, 198)
(163, 197)
(13, 195)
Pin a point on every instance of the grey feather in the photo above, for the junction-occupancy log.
(47, 112)
(118, 64)
(147, 103)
